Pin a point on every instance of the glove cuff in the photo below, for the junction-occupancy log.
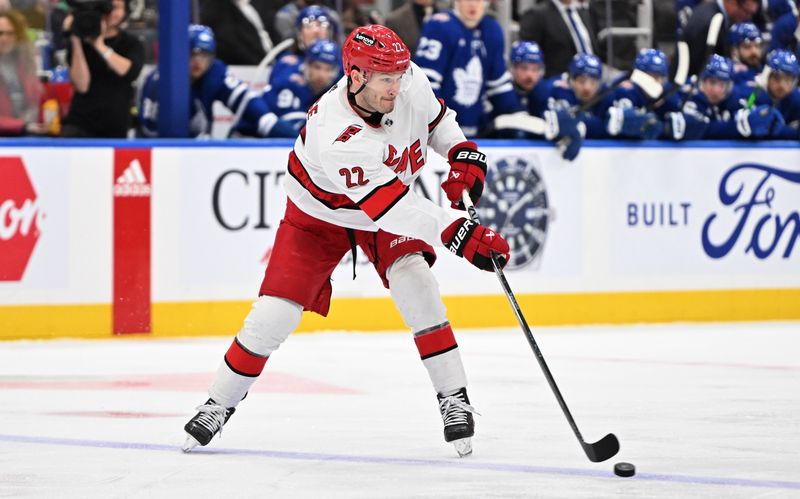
(551, 129)
(678, 125)
(743, 123)
(616, 116)
(467, 144)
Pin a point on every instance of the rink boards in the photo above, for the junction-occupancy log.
(171, 237)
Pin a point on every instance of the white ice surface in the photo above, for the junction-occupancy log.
(703, 411)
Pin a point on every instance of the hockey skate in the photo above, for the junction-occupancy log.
(459, 426)
(205, 424)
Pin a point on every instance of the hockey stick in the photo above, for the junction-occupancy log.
(605, 448)
(520, 121)
(681, 74)
(712, 36)
(761, 83)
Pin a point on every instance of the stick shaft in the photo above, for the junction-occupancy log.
(525, 328)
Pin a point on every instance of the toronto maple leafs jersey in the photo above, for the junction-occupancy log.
(287, 64)
(465, 66)
(288, 99)
(217, 84)
(563, 98)
(535, 101)
(721, 117)
(348, 172)
(789, 107)
(743, 73)
(628, 95)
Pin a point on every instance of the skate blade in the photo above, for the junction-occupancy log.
(190, 443)
(463, 446)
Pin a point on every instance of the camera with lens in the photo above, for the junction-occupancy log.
(87, 16)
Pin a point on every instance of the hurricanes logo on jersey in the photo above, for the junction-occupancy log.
(347, 133)
(412, 154)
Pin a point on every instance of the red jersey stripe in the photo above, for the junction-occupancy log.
(381, 199)
(439, 117)
(331, 200)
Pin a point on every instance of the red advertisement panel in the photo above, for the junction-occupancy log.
(132, 188)
(20, 218)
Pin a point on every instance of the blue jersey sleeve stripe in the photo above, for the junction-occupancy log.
(503, 78)
(508, 87)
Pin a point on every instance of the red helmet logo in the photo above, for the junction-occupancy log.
(20, 219)
(375, 48)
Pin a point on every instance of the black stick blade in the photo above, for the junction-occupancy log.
(605, 448)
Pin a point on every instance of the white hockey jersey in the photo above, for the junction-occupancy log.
(348, 172)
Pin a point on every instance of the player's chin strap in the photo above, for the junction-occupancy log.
(351, 96)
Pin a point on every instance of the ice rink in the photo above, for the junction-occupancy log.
(705, 411)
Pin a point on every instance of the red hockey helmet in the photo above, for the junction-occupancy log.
(375, 48)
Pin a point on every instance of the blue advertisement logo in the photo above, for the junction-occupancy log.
(763, 238)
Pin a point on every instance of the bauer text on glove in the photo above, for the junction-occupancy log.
(467, 172)
(477, 243)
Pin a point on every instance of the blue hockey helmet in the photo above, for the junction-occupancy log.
(585, 64)
(651, 61)
(201, 39)
(525, 51)
(718, 67)
(783, 61)
(744, 32)
(324, 51)
(316, 13)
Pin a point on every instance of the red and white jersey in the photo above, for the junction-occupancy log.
(348, 172)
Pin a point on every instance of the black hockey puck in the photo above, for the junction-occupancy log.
(624, 469)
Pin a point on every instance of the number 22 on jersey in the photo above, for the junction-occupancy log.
(349, 175)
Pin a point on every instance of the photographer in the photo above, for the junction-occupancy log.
(104, 62)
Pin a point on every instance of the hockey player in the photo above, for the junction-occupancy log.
(747, 52)
(290, 98)
(348, 184)
(783, 17)
(527, 72)
(715, 107)
(313, 23)
(461, 52)
(633, 113)
(782, 94)
(712, 106)
(580, 87)
(210, 81)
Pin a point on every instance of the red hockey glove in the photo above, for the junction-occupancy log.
(467, 172)
(475, 242)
